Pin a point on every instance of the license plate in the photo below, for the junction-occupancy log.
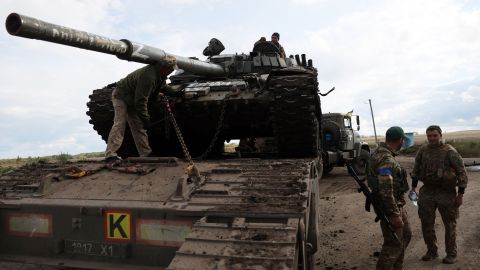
(95, 248)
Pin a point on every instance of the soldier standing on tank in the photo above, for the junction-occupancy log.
(274, 40)
(130, 100)
(388, 181)
(441, 169)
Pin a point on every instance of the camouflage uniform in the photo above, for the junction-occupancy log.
(440, 168)
(387, 179)
(280, 48)
(262, 39)
(130, 99)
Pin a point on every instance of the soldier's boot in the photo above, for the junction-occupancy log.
(428, 231)
(431, 241)
(449, 259)
(430, 256)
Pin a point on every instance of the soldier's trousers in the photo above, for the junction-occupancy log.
(117, 133)
(429, 200)
(393, 251)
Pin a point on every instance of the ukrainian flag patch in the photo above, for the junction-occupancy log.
(385, 172)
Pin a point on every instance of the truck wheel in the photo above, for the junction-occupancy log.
(360, 163)
(330, 135)
(327, 169)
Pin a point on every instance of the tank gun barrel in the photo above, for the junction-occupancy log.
(28, 27)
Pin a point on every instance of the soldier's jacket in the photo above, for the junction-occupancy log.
(387, 179)
(140, 86)
(280, 48)
(440, 166)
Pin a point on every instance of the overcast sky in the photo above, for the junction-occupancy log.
(418, 61)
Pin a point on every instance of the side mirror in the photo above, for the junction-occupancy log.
(358, 122)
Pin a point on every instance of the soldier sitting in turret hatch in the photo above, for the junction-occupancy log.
(262, 39)
(274, 40)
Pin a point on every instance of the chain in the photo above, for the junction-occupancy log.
(180, 137)
(217, 131)
(177, 130)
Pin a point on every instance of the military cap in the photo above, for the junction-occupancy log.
(395, 133)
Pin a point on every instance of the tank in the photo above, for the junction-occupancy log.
(228, 96)
(252, 209)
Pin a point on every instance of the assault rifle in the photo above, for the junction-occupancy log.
(373, 200)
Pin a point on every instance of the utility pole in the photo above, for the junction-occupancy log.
(373, 120)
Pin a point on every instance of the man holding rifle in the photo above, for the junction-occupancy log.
(388, 182)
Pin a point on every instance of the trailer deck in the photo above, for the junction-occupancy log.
(245, 214)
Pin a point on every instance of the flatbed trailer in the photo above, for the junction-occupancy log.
(244, 214)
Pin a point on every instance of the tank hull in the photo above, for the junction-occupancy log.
(286, 109)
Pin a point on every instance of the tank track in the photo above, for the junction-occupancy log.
(256, 208)
(297, 113)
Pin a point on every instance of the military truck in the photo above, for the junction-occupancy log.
(239, 211)
(341, 143)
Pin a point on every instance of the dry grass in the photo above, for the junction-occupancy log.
(230, 147)
(7, 165)
(466, 142)
(467, 148)
(447, 136)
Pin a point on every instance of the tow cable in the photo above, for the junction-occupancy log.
(191, 170)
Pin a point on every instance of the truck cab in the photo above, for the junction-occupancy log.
(342, 143)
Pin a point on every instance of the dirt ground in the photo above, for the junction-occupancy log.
(350, 239)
